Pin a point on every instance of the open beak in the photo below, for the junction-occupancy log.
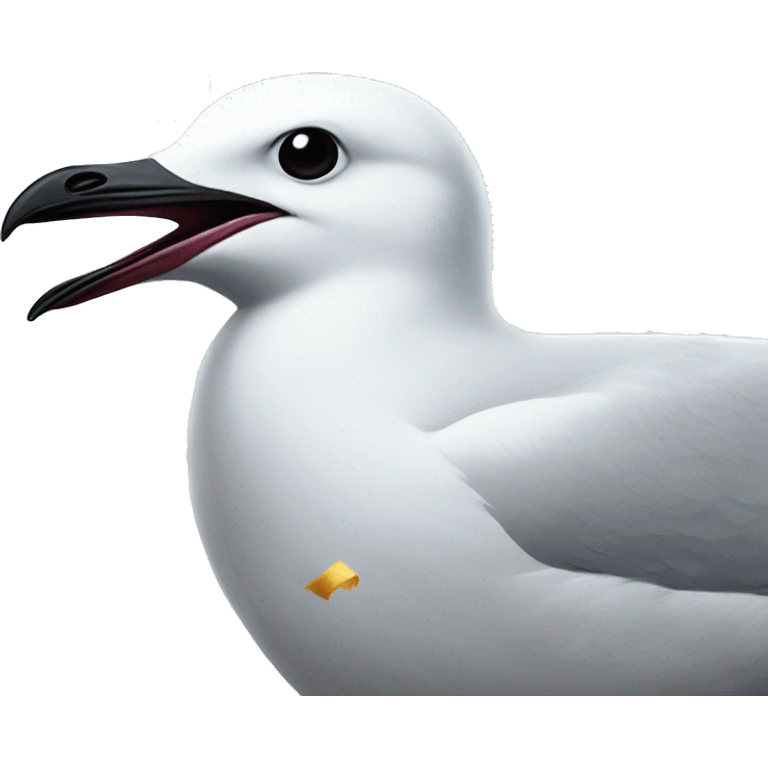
(142, 188)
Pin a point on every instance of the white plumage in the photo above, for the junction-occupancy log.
(638, 456)
(647, 460)
(527, 513)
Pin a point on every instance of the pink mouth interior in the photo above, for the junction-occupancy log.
(165, 254)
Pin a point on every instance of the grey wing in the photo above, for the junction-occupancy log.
(668, 486)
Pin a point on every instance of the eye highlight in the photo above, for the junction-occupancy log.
(308, 153)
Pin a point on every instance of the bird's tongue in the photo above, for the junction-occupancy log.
(152, 260)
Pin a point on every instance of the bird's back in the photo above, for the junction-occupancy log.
(643, 456)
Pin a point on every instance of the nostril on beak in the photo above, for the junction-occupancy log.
(84, 181)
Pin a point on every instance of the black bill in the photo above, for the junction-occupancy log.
(142, 188)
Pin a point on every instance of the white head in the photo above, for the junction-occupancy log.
(405, 194)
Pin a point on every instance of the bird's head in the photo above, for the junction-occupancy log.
(282, 183)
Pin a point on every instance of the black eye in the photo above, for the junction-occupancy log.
(308, 153)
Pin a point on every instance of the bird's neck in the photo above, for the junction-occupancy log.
(378, 339)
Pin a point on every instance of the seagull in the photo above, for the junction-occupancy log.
(512, 512)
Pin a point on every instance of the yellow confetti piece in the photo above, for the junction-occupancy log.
(338, 575)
